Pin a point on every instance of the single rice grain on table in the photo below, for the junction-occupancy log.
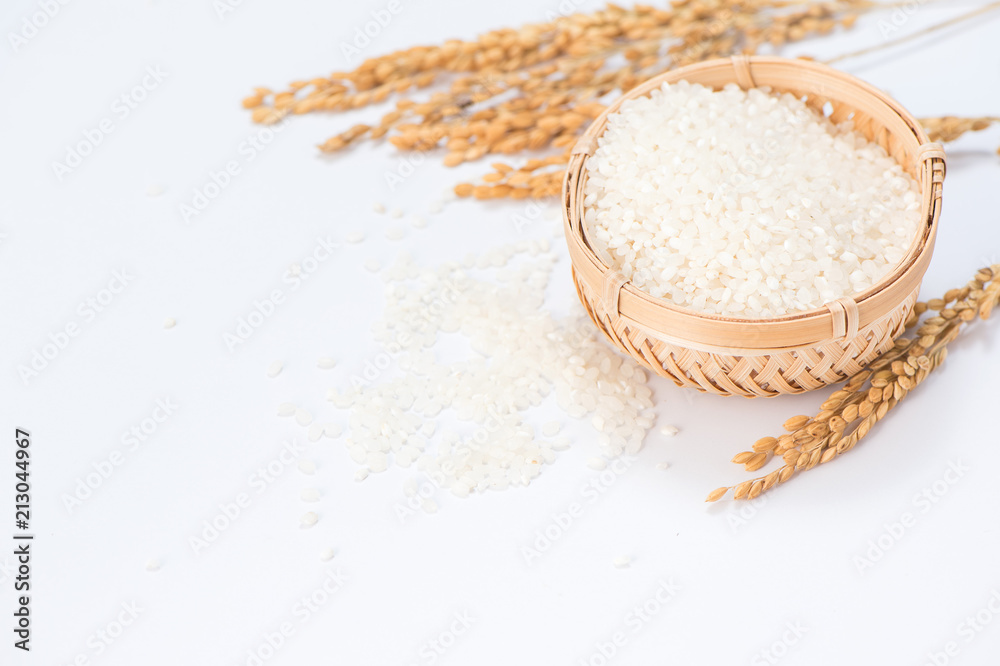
(308, 519)
(303, 417)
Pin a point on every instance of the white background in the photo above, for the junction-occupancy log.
(744, 572)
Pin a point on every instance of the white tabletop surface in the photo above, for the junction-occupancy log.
(780, 580)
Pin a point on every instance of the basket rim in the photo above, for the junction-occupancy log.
(796, 330)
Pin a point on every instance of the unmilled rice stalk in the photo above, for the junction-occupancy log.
(850, 413)
(950, 128)
(536, 88)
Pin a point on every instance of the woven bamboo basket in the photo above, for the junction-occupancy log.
(788, 354)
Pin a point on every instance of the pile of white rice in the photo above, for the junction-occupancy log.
(466, 422)
(743, 203)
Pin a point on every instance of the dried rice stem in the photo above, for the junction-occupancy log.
(536, 88)
(949, 128)
(920, 33)
(872, 393)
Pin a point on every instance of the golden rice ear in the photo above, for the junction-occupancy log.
(896, 373)
(950, 128)
(717, 494)
(535, 87)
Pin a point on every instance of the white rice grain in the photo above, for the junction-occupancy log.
(308, 519)
(744, 203)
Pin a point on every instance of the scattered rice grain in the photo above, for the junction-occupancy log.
(597, 463)
(308, 519)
